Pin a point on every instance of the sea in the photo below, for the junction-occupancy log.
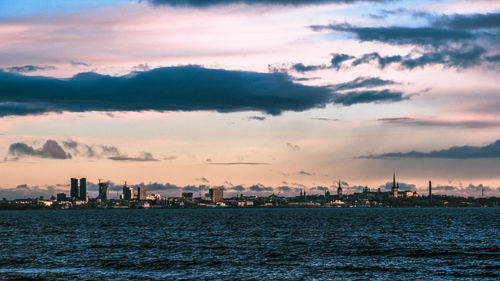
(251, 244)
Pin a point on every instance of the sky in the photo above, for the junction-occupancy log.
(255, 96)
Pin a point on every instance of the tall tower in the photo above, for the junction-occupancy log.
(74, 191)
(83, 189)
(430, 192)
(339, 190)
(395, 186)
(103, 191)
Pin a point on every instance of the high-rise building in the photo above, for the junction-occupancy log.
(128, 192)
(216, 194)
(74, 191)
(104, 191)
(141, 193)
(83, 189)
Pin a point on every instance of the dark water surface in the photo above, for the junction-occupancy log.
(256, 244)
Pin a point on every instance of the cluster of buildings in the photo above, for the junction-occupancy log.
(215, 198)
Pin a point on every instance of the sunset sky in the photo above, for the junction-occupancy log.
(258, 96)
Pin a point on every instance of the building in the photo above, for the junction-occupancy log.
(216, 194)
(188, 196)
(128, 192)
(103, 191)
(74, 191)
(61, 197)
(83, 190)
(141, 193)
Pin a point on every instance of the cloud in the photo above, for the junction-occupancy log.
(237, 163)
(208, 3)
(325, 119)
(284, 188)
(202, 179)
(461, 58)
(258, 118)
(293, 146)
(27, 68)
(450, 40)
(79, 63)
(465, 190)
(363, 82)
(407, 121)
(299, 67)
(90, 151)
(335, 63)
(338, 59)
(469, 21)
(22, 186)
(182, 88)
(382, 61)
(260, 188)
(238, 188)
(143, 157)
(455, 152)
(155, 186)
(398, 35)
(402, 186)
(304, 173)
(356, 97)
(494, 58)
(464, 57)
(320, 188)
(51, 149)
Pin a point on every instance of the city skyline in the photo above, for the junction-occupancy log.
(132, 191)
(254, 96)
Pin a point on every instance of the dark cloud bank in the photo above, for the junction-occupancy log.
(456, 152)
(182, 88)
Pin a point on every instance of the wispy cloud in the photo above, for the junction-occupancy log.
(143, 157)
(471, 124)
(237, 163)
(27, 68)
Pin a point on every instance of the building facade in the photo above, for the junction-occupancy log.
(128, 192)
(216, 194)
(104, 191)
(83, 190)
(142, 193)
(74, 191)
